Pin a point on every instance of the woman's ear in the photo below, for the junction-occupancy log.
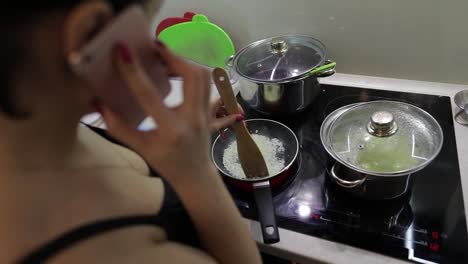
(83, 22)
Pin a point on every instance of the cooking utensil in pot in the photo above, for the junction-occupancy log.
(378, 145)
(250, 157)
(279, 75)
(461, 100)
(261, 186)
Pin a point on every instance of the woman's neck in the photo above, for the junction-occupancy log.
(37, 144)
(47, 138)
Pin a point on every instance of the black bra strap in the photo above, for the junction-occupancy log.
(86, 232)
(103, 133)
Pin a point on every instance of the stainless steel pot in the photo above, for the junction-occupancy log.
(279, 75)
(379, 145)
(461, 100)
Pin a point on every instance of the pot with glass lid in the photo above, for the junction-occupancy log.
(378, 146)
(278, 75)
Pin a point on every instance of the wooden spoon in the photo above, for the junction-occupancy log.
(250, 156)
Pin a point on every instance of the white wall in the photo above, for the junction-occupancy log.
(409, 39)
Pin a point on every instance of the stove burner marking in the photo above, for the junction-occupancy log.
(423, 231)
(416, 259)
(434, 247)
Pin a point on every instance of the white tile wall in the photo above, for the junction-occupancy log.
(409, 39)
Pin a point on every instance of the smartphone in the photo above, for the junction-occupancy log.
(95, 63)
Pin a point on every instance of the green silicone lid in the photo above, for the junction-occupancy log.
(200, 41)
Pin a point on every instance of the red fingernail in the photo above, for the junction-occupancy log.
(239, 117)
(124, 53)
(160, 44)
(99, 109)
(97, 106)
(222, 135)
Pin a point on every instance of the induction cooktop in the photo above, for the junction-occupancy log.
(426, 225)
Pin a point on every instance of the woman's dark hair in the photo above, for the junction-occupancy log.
(15, 21)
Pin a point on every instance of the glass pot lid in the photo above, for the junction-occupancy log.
(385, 138)
(279, 59)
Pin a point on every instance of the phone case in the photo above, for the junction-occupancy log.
(95, 63)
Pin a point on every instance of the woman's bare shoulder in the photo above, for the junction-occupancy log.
(108, 153)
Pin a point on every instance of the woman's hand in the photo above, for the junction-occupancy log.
(179, 148)
(220, 117)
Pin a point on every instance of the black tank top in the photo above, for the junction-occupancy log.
(172, 217)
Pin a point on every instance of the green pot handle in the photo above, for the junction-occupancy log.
(325, 70)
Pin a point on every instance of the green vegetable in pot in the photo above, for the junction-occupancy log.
(384, 155)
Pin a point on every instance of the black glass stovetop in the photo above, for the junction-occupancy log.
(426, 224)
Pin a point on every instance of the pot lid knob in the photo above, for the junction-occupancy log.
(382, 124)
(278, 45)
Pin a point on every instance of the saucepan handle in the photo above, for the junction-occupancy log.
(230, 61)
(266, 212)
(344, 183)
(327, 69)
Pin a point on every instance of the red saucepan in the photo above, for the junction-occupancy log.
(261, 187)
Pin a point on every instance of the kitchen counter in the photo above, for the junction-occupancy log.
(309, 249)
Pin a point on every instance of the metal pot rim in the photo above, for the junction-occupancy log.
(287, 80)
(254, 180)
(335, 114)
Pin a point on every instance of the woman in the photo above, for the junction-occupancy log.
(70, 195)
